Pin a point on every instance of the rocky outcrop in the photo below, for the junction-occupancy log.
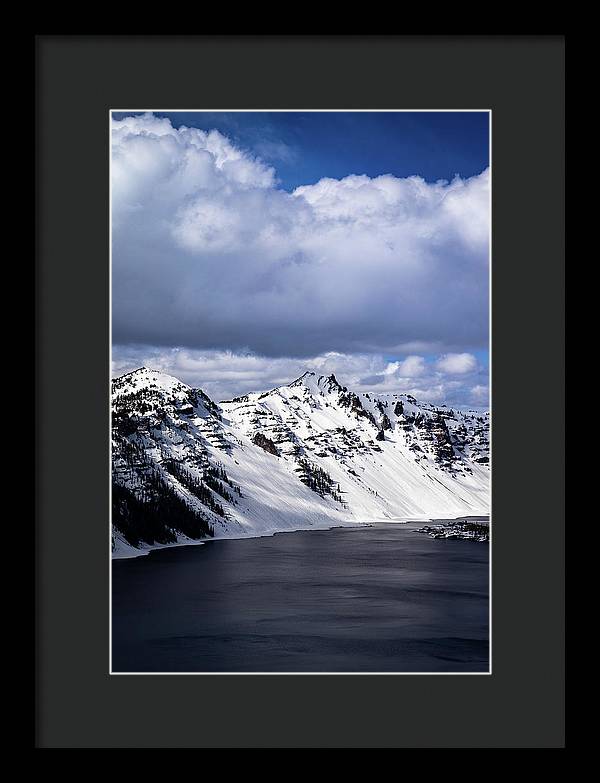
(266, 444)
(386, 424)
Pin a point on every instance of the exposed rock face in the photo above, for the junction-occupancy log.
(352, 401)
(266, 444)
(386, 424)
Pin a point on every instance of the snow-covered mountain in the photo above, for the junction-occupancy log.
(312, 454)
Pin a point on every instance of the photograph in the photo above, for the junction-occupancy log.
(300, 398)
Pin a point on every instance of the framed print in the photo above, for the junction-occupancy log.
(300, 358)
(304, 384)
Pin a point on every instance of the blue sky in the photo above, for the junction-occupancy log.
(307, 146)
(250, 246)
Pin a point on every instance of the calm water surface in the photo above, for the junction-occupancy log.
(378, 599)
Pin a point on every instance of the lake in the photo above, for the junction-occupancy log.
(378, 599)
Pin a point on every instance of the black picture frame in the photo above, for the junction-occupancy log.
(78, 80)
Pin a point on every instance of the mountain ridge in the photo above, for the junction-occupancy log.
(307, 455)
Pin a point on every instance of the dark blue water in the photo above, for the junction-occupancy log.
(378, 599)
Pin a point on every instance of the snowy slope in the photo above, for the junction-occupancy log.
(310, 454)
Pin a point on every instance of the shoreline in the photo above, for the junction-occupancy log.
(267, 534)
(358, 525)
(463, 528)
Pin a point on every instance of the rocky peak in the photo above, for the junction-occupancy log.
(146, 390)
(300, 381)
(316, 383)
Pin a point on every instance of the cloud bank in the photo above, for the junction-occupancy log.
(210, 255)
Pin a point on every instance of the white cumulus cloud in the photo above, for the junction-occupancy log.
(457, 363)
(210, 254)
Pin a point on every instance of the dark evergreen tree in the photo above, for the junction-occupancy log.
(153, 515)
(318, 480)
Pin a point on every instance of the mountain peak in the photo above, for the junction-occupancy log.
(147, 377)
(300, 380)
(316, 383)
(300, 455)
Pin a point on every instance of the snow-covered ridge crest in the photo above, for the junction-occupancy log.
(308, 454)
(145, 377)
(316, 383)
